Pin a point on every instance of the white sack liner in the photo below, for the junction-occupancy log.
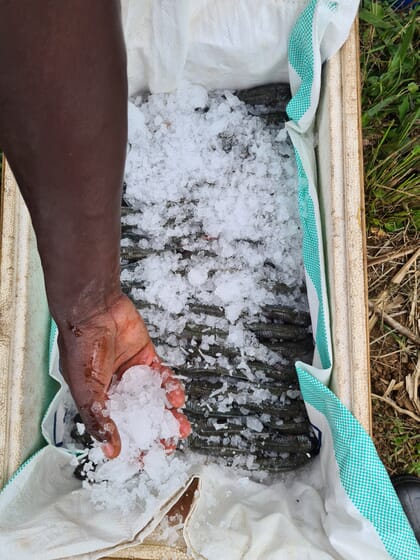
(215, 43)
(45, 513)
(308, 515)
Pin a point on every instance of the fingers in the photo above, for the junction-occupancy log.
(184, 431)
(97, 378)
(174, 390)
(184, 424)
(169, 445)
(100, 426)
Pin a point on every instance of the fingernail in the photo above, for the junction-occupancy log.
(108, 450)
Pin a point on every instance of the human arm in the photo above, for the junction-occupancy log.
(63, 126)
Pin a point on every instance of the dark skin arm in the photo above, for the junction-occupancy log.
(63, 128)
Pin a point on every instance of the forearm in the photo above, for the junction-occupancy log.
(63, 103)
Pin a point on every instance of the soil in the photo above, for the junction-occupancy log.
(394, 357)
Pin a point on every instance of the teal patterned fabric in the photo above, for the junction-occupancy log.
(311, 259)
(53, 335)
(362, 474)
(301, 58)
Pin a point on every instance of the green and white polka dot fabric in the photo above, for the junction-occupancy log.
(316, 36)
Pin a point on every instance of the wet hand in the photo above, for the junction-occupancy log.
(96, 352)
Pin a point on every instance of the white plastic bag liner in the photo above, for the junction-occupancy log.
(341, 506)
(215, 43)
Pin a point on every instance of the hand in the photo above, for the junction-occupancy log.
(102, 346)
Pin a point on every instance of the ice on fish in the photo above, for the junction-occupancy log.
(213, 194)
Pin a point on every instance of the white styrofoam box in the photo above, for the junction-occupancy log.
(24, 319)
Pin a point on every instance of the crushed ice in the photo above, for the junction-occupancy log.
(143, 471)
(211, 179)
(214, 189)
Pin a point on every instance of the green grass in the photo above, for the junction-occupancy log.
(406, 444)
(398, 441)
(390, 62)
(390, 57)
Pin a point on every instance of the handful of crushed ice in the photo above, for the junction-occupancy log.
(143, 470)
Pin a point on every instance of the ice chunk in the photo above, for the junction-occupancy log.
(136, 125)
(80, 428)
(254, 424)
(197, 276)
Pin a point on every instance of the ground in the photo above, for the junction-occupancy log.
(390, 106)
(395, 364)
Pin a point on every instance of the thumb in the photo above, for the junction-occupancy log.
(100, 426)
(87, 365)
